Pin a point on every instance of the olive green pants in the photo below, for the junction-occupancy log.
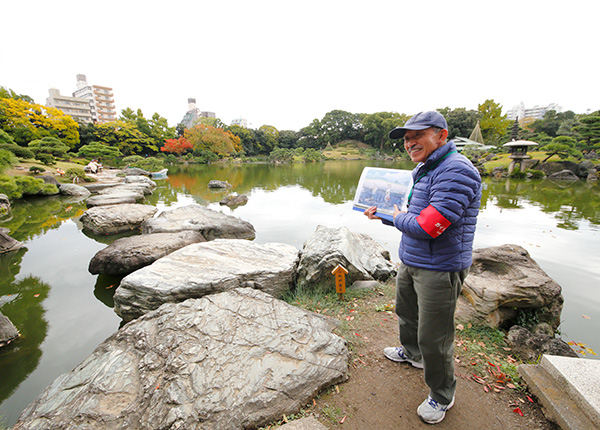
(425, 304)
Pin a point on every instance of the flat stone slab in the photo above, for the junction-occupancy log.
(129, 254)
(212, 224)
(113, 219)
(207, 268)
(114, 199)
(235, 360)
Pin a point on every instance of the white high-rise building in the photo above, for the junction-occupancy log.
(531, 114)
(102, 102)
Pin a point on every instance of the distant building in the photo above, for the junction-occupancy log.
(76, 107)
(101, 99)
(193, 113)
(242, 122)
(528, 115)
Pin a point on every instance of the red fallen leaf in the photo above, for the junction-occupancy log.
(110, 286)
(356, 334)
(518, 411)
(491, 364)
(511, 386)
(486, 389)
(36, 295)
(342, 420)
(530, 399)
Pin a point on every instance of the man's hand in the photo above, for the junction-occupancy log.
(370, 213)
(397, 212)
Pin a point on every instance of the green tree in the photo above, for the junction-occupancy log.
(377, 127)
(288, 139)
(589, 131)
(563, 146)
(281, 155)
(461, 121)
(48, 146)
(7, 93)
(339, 125)
(493, 124)
(246, 138)
(7, 159)
(156, 128)
(126, 137)
(99, 151)
(269, 137)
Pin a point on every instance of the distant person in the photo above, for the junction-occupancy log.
(436, 252)
(92, 166)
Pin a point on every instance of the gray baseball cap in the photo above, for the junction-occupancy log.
(420, 121)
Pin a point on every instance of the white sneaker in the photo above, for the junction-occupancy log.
(397, 354)
(433, 412)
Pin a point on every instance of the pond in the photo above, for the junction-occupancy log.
(63, 312)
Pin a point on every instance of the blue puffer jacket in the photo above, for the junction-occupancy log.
(439, 226)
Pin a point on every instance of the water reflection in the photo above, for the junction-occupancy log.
(23, 302)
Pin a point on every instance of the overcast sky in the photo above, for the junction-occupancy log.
(285, 63)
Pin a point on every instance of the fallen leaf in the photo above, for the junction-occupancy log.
(511, 386)
(530, 399)
(110, 286)
(586, 317)
(36, 295)
(343, 419)
(460, 327)
(518, 411)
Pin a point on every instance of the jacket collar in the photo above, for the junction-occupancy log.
(442, 151)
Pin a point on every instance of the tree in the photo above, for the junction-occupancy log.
(49, 146)
(246, 138)
(26, 121)
(339, 125)
(177, 146)
(210, 139)
(269, 137)
(157, 128)
(126, 137)
(99, 151)
(461, 121)
(288, 139)
(377, 127)
(7, 93)
(589, 131)
(493, 124)
(563, 146)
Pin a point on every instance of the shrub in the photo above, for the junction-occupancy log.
(46, 159)
(77, 173)
(9, 187)
(517, 174)
(536, 174)
(7, 159)
(36, 169)
(19, 151)
(34, 186)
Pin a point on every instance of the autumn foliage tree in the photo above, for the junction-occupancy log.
(177, 146)
(206, 138)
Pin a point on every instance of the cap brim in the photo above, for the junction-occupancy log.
(399, 132)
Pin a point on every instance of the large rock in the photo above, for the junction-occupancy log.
(74, 190)
(139, 179)
(503, 281)
(120, 198)
(113, 219)
(129, 254)
(8, 332)
(564, 175)
(212, 224)
(142, 188)
(234, 201)
(363, 257)
(7, 243)
(134, 171)
(218, 184)
(207, 268)
(234, 360)
(530, 345)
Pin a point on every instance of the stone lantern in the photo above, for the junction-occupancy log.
(518, 152)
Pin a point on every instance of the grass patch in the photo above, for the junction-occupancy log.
(484, 352)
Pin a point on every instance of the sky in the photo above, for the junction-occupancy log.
(286, 63)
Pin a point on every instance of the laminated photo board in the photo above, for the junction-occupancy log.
(383, 188)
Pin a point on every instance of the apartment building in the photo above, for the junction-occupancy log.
(528, 115)
(101, 100)
(76, 107)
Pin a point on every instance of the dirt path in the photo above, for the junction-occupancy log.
(381, 394)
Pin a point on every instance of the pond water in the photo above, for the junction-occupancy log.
(63, 312)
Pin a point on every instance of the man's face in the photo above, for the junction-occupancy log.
(420, 144)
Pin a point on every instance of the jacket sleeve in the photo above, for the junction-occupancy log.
(451, 191)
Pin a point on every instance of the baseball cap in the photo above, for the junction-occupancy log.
(420, 121)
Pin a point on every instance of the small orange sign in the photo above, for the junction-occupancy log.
(340, 278)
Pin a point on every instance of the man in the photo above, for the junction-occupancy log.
(435, 253)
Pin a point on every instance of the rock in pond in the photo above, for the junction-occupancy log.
(8, 332)
(74, 190)
(207, 268)
(363, 257)
(504, 280)
(113, 219)
(8, 243)
(212, 224)
(232, 201)
(114, 199)
(218, 184)
(235, 360)
(129, 254)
